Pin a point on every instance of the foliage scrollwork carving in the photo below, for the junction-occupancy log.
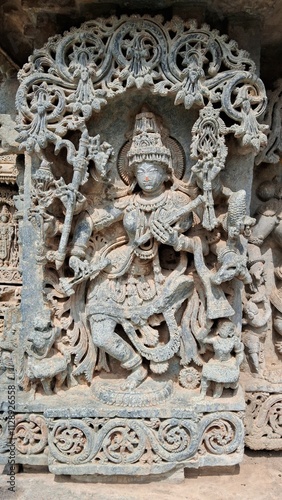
(74, 75)
(129, 442)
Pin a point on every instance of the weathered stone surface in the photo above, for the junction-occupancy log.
(8, 135)
(262, 304)
(141, 264)
(134, 247)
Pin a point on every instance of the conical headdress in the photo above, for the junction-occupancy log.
(147, 142)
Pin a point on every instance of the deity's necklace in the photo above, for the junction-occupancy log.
(148, 205)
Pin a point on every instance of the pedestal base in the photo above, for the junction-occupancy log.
(88, 437)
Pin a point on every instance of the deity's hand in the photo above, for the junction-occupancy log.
(68, 195)
(78, 266)
(164, 233)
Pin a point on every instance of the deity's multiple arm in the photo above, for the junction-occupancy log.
(83, 231)
(84, 228)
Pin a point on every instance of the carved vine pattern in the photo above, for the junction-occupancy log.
(131, 441)
(263, 422)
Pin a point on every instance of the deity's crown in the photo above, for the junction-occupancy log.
(147, 142)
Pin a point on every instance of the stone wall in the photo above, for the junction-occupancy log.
(140, 307)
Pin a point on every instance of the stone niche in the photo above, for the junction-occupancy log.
(139, 137)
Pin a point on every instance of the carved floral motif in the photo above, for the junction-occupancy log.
(142, 441)
(30, 434)
(72, 76)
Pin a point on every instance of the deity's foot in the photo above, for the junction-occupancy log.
(218, 391)
(135, 378)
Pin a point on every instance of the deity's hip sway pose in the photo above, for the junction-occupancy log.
(133, 291)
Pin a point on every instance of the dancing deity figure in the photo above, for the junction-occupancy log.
(132, 291)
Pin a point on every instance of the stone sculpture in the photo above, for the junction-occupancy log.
(262, 333)
(137, 233)
(48, 358)
(10, 279)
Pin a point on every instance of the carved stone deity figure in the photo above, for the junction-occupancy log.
(132, 290)
(134, 228)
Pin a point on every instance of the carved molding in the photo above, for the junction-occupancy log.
(123, 444)
(8, 169)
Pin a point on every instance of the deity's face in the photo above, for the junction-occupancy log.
(226, 330)
(150, 177)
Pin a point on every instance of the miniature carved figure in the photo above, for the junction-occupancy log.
(8, 345)
(48, 358)
(257, 311)
(223, 368)
(7, 231)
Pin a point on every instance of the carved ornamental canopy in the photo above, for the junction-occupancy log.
(79, 73)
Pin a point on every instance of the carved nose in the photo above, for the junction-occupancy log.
(146, 178)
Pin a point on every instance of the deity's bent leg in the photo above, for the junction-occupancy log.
(105, 337)
(205, 383)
